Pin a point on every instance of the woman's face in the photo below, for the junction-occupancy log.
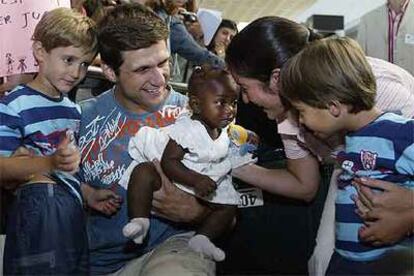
(262, 95)
(223, 37)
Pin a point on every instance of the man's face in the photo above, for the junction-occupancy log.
(262, 95)
(141, 84)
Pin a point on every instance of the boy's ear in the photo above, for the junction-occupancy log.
(194, 104)
(335, 108)
(38, 51)
(274, 80)
(108, 72)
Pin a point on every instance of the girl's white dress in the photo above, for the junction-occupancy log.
(205, 155)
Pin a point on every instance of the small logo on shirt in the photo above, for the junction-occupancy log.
(368, 159)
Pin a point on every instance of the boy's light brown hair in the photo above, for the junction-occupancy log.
(64, 27)
(330, 70)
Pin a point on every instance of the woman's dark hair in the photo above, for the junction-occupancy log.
(265, 44)
(225, 23)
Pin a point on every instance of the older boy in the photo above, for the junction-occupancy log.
(133, 48)
(46, 232)
(331, 85)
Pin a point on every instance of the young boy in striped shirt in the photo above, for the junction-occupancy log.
(45, 230)
(331, 85)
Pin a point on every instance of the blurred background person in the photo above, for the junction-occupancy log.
(388, 33)
(223, 36)
(181, 42)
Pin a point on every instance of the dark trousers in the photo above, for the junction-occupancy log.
(45, 232)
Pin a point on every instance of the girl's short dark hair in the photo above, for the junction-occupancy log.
(202, 77)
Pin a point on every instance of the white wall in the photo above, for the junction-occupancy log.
(352, 10)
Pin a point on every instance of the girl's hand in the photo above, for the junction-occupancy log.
(204, 185)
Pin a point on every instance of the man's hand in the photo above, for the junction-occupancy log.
(102, 200)
(388, 215)
(172, 203)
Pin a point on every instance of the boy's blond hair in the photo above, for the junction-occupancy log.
(64, 27)
(329, 70)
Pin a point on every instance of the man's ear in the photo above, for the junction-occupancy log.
(194, 104)
(335, 108)
(108, 72)
(274, 80)
(38, 51)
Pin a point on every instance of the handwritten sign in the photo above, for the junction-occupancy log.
(18, 19)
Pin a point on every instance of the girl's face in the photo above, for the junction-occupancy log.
(223, 37)
(217, 106)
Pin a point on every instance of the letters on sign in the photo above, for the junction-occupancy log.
(18, 19)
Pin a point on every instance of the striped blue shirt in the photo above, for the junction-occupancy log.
(32, 119)
(384, 150)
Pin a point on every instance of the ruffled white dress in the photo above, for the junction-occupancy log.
(205, 155)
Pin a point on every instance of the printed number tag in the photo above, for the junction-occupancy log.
(250, 197)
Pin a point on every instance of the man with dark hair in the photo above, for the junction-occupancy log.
(133, 47)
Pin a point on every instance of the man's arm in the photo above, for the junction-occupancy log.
(300, 180)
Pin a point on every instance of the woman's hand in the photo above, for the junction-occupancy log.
(388, 215)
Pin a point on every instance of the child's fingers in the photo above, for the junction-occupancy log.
(68, 158)
(64, 143)
(21, 151)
